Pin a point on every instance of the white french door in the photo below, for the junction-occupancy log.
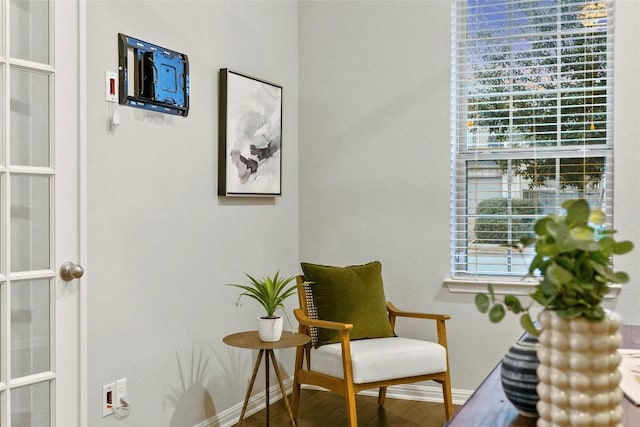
(40, 357)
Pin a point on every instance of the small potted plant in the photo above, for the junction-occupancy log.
(270, 292)
(576, 334)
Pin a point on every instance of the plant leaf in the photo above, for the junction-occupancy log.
(513, 303)
(607, 245)
(496, 313)
(527, 240)
(620, 277)
(547, 288)
(558, 275)
(528, 325)
(571, 312)
(622, 247)
(562, 235)
(536, 263)
(578, 212)
(597, 217)
(540, 227)
(544, 249)
(581, 233)
(482, 302)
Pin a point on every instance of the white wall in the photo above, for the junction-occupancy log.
(627, 150)
(161, 243)
(373, 149)
(375, 168)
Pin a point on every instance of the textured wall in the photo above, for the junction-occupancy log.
(161, 243)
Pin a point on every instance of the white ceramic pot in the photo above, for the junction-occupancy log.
(270, 328)
(578, 371)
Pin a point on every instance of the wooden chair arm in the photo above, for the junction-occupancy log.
(326, 324)
(439, 318)
(394, 311)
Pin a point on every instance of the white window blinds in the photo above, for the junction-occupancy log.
(531, 122)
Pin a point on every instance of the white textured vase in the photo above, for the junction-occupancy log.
(578, 371)
(270, 328)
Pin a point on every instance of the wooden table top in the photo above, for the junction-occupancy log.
(489, 407)
(251, 339)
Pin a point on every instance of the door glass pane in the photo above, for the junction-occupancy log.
(29, 118)
(30, 229)
(30, 327)
(30, 405)
(30, 30)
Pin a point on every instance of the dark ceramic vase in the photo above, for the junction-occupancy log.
(519, 377)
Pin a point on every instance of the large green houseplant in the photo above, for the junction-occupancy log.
(573, 257)
(270, 293)
(574, 260)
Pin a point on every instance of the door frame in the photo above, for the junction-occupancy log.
(75, 36)
(82, 206)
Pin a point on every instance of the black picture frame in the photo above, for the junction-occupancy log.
(249, 136)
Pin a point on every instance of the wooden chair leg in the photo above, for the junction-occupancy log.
(448, 400)
(295, 392)
(352, 415)
(382, 395)
(349, 390)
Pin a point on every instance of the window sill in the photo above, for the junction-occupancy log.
(473, 285)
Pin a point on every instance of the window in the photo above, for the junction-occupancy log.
(531, 122)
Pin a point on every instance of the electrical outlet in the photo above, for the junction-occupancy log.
(108, 398)
(121, 392)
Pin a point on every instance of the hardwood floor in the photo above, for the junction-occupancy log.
(324, 409)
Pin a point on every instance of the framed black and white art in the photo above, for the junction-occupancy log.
(250, 136)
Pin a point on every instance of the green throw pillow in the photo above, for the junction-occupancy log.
(352, 294)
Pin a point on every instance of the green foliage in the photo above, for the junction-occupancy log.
(499, 226)
(497, 309)
(519, 98)
(575, 263)
(575, 266)
(269, 292)
(579, 173)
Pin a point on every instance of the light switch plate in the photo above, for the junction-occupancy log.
(111, 86)
(108, 396)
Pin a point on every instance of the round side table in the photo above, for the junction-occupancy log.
(251, 340)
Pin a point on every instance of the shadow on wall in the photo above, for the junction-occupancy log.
(192, 401)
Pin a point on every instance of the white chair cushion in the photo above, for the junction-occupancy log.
(379, 359)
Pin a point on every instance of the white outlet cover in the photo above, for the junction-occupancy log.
(121, 391)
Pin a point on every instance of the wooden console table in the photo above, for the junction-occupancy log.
(489, 407)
